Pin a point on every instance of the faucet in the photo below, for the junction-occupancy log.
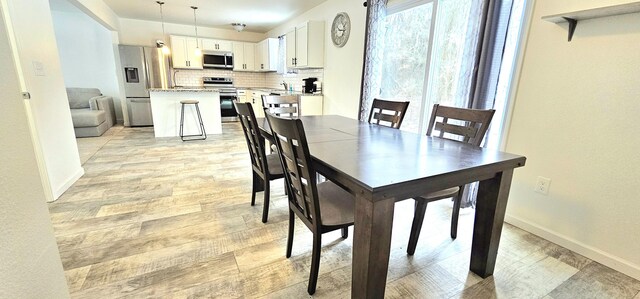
(286, 86)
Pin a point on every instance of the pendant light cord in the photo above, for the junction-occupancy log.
(195, 22)
(161, 17)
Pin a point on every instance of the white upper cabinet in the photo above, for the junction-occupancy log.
(216, 45)
(291, 48)
(243, 56)
(302, 46)
(267, 55)
(249, 56)
(305, 45)
(183, 53)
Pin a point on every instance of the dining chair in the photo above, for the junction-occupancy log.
(391, 113)
(322, 207)
(279, 105)
(265, 167)
(464, 125)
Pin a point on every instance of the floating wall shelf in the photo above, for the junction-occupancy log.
(574, 16)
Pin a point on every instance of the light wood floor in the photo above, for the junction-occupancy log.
(89, 146)
(162, 218)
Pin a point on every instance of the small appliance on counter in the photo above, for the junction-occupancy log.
(318, 87)
(309, 85)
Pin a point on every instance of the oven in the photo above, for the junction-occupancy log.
(228, 95)
(227, 110)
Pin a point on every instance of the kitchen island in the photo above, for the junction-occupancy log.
(165, 107)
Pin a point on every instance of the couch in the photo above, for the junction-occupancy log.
(91, 112)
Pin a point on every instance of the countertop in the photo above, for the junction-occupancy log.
(281, 91)
(202, 89)
(184, 89)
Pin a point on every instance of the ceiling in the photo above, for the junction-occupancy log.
(259, 15)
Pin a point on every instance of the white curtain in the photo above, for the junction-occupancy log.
(282, 55)
(371, 71)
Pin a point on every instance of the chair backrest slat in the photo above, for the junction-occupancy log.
(299, 174)
(386, 117)
(475, 123)
(283, 110)
(288, 106)
(390, 112)
(467, 132)
(255, 141)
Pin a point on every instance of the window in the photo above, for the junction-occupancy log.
(405, 52)
(428, 55)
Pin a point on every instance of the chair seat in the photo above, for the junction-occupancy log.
(189, 102)
(433, 196)
(273, 162)
(336, 204)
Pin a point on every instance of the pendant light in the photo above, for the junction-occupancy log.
(198, 51)
(161, 43)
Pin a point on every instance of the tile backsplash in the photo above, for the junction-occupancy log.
(274, 80)
(240, 79)
(247, 79)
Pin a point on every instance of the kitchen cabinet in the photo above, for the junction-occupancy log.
(242, 96)
(267, 55)
(254, 98)
(217, 45)
(243, 56)
(305, 45)
(311, 105)
(256, 102)
(183, 53)
(290, 48)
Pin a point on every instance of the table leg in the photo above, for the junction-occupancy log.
(490, 209)
(371, 246)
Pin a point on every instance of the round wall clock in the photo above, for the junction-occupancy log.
(340, 29)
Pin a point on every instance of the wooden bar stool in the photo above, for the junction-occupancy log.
(203, 133)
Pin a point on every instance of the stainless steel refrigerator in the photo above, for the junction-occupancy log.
(143, 68)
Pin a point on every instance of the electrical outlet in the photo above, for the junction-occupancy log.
(542, 185)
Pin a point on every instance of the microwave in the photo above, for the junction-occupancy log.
(217, 60)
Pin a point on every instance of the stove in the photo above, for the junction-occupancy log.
(228, 95)
(225, 85)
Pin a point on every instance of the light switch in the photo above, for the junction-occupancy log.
(38, 68)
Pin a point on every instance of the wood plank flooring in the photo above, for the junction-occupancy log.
(159, 218)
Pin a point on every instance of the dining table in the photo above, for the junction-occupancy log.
(381, 165)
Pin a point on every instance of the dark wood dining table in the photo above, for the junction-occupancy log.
(380, 166)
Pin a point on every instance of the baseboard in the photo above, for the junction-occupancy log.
(58, 192)
(590, 252)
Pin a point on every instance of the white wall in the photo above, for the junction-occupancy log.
(342, 66)
(99, 11)
(145, 33)
(576, 120)
(91, 62)
(32, 31)
(30, 264)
